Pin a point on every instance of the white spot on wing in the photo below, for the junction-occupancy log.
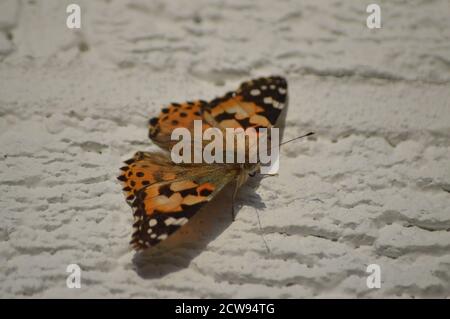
(162, 237)
(268, 100)
(176, 221)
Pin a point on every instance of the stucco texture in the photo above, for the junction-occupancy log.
(371, 187)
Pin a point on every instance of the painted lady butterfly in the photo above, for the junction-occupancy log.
(164, 195)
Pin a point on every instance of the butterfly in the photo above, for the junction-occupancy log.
(165, 195)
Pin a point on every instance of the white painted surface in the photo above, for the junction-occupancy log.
(371, 188)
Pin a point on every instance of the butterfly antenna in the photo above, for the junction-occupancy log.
(288, 141)
(296, 138)
(233, 199)
(261, 231)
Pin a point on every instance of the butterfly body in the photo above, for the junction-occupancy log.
(165, 195)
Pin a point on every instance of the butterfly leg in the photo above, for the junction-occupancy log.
(233, 213)
(242, 177)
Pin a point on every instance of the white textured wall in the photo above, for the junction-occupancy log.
(373, 186)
